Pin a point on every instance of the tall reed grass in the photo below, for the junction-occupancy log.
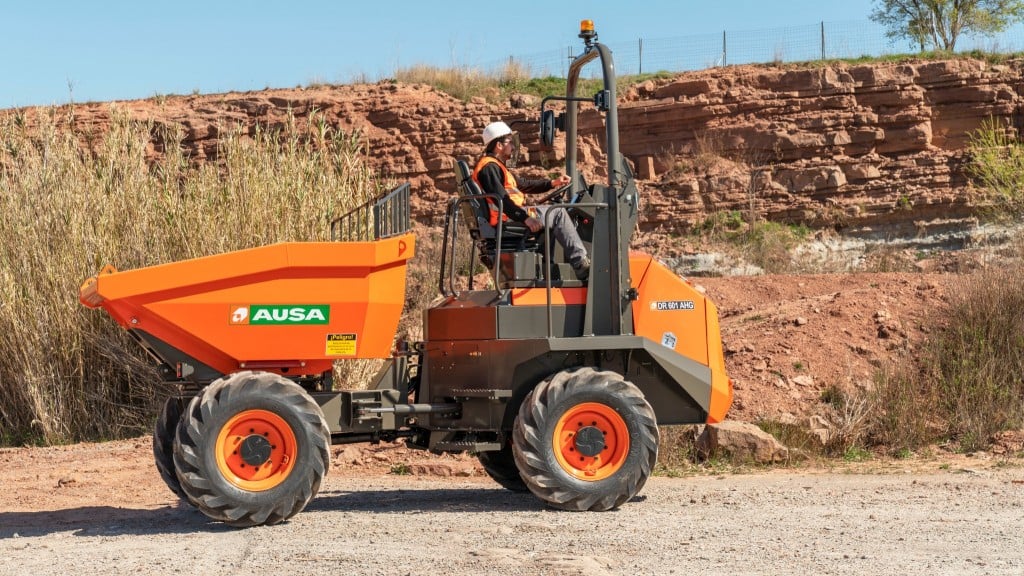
(73, 199)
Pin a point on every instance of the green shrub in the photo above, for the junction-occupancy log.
(996, 164)
(856, 454)
(769, 244)
(763, 243)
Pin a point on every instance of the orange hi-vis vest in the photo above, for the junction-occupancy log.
(511, 187)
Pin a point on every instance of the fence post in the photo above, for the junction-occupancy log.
(822, 39)
(725, 58)
(640, 58)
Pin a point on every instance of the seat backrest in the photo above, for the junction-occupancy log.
(477, 214)
(474, 211)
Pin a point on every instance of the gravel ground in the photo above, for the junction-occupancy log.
(779, 522)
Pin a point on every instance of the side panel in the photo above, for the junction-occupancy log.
(468, 316)
(539, 296)
(467, 370)
(721, 384)
(532, 321)
(672, 313)
(669, 311)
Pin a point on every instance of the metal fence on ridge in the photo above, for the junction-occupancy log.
(824, 40)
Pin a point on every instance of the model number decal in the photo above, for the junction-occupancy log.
(673, 305)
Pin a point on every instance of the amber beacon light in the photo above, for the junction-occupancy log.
(587, 30)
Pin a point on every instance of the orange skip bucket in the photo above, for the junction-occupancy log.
(302, 304)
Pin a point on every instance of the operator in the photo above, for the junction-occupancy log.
(495, 178)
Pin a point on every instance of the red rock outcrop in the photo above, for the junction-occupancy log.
(842, 144)
(836, 144)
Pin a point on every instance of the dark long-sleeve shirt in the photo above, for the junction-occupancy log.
(492, 181)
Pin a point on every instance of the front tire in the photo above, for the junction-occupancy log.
(585, 440)
(252, 449)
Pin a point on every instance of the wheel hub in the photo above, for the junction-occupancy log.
(589, 441)
(255, 450)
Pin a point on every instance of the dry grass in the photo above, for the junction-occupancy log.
(466, 83)
(514, 77)
(74, 200)
(848, 419)
(704, 154)
(968, 383)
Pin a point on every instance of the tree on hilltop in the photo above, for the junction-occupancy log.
(939, 23)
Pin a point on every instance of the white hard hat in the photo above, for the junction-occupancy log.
(495, 130)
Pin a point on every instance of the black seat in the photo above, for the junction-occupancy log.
(476, 212)
(522, 253)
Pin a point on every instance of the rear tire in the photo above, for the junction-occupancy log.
(252, 449)
(163, 444)
(500, 465)
(585, 440)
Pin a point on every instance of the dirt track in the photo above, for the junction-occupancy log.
(102, 509)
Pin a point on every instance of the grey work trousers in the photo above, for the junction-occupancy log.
(563, 230)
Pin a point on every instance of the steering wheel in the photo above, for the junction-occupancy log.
(561, 190)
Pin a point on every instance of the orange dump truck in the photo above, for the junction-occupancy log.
(557, 384)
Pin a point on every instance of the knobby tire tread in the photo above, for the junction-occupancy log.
(208, 491)
(533, 450)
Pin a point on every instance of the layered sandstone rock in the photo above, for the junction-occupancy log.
(835, 144)
(841, 145)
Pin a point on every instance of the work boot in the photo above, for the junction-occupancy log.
(582, 268)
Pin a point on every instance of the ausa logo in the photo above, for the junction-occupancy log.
(278, 314)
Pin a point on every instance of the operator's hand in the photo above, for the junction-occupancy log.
(562, 180)
(533, 224)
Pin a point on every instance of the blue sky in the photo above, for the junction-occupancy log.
(58, 51)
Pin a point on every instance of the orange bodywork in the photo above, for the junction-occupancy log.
(669, 311)
(539, 296)
(673, 313)
(298, 305)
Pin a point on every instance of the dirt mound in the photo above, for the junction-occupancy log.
(789, 338)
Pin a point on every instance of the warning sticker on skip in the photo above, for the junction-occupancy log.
(341, 345)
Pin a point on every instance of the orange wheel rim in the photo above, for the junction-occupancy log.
(256, 450)
(591, 441)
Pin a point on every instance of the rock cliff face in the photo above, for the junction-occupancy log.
(837, 145)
